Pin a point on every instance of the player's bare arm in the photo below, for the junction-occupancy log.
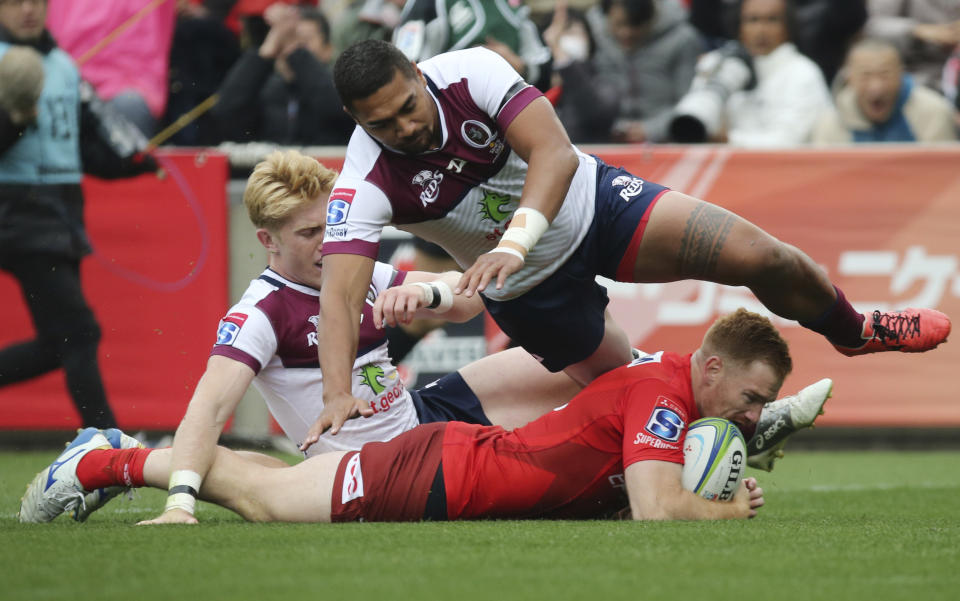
(425, 295)
(195, 443)
(656, 493)
(344, 285)
(537, 137)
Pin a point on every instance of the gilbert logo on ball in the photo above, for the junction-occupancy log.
(714, 454)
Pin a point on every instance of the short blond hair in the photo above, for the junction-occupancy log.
(745, 337)
(282, 183)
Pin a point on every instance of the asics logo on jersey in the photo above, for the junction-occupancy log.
(430, 182)
(456, 165)
(631, 186)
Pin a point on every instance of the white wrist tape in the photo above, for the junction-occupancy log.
(510, 251)
(439, 296)
(525, 230)
(183, 491)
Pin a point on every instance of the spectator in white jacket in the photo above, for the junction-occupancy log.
(790, 91)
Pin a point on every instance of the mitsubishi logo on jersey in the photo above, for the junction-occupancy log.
(430, 182)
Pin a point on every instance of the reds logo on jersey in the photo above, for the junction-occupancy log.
(430, 182)
(631, 186)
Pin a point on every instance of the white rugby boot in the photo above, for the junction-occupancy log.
(783, 417)
(56, 489)
(99, 497)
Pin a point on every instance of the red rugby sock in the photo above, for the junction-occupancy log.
(841, 323)
(112, 467)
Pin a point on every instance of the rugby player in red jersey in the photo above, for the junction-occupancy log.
(616, 445)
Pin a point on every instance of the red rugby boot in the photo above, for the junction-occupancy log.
(907, 331)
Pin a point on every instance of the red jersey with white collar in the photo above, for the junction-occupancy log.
(570, 462)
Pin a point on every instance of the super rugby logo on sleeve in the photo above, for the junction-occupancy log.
(230, 327)
(666, 421)
(339, 205)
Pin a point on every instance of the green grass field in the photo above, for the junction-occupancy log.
(837, 526)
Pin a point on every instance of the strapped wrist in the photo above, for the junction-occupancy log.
(439, 296)
(526, 228)
(183, 490)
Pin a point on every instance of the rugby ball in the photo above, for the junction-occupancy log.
(714, 457)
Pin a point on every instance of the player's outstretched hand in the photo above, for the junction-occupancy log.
(397, 305)
(336, 411)
(751, 492)
(174, 516)
(489, 266)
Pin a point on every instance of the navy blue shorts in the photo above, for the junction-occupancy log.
(448, 399)
(560, 321)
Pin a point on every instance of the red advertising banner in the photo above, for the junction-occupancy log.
(884, 223)
(157, 282)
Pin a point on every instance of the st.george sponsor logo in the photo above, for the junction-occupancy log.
(370, 376)
(497, 208)
(338, 207)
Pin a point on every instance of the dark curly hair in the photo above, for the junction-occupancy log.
(367, 66)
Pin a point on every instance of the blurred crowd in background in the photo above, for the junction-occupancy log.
(751, 73)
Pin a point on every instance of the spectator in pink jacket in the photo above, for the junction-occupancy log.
(131, 70)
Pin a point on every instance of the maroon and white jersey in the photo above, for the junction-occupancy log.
(462, 195)
(273, 330)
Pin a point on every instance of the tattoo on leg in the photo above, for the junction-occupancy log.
(702, 241)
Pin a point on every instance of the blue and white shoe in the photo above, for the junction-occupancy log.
(99, 497)
(56, 489)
